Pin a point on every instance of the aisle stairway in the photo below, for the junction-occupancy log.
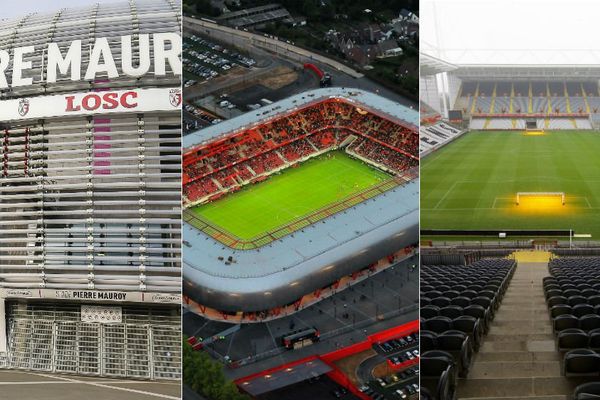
(518, 358)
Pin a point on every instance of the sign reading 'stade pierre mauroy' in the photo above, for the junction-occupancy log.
(166, 49)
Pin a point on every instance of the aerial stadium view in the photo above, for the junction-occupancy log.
(90, 228)
(300, 199)
(509, 205)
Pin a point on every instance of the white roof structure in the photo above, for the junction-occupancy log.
(533, 32)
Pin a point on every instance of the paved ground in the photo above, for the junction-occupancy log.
(320, 388)
(352, 312)
(24, 385)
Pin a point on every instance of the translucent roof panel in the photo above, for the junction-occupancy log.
(511, 32)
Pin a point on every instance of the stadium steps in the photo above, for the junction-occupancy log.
(493, 102)
(567, 101)
(518, 358)
(474, 104)
(585, 100)
(530, 101)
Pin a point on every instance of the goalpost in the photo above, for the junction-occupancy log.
(541, 194)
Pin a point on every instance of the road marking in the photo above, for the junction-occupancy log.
(91, 383)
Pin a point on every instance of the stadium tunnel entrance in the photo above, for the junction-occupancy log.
(129, 340)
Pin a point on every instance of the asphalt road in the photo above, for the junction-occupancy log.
(25, 385)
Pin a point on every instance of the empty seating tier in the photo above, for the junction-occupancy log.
(458, 303)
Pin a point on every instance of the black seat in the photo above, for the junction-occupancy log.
(478, 311)
(437, 361)
(571, 292)
(574, 300)
(440, 301)
(553, 292)
(428, 341)
(470, 294)
(594, 342)
(582, 309)
(556, 300)
(570, 339)
(587, 391)
(438, 324)
(560, 309)
(461, 301)
(451, 311)
(594, 300)
(581, 362)
(470, 326)
(459, 346)
(451, 294)
(430, 311)
(423, 301)
(589, 322)
(482, 301)
(567, 321)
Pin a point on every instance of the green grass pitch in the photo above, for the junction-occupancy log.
(472, 183)
(259, 208)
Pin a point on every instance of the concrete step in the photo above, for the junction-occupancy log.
(514, 369)
(523, 315)
(517, 387)
(518, 356)
(556, 397)
(519, 337)
(518, 345)
(523, 307)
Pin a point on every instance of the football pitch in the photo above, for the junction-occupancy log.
(289, 195)
(472, 184)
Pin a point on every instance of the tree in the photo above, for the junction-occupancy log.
(205, 376)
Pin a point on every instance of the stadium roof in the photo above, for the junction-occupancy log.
(529, 72)
(430, 65)
(533, 32)
(393, 109)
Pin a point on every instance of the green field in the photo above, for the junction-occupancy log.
(472, 183)
(296, 192)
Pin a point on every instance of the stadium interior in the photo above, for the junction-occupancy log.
(508, 304)
(222, 166)
(328, 284)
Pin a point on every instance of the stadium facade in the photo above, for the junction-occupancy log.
(291, 263)
(90, 227)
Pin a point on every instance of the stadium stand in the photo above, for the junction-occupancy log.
(252, 154)
(572, 296)
(458, 302)
(504, 105)
(434, 136)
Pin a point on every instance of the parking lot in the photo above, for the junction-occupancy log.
(48, 386)
(204, 60)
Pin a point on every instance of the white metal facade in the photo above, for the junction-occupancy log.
(90, 204)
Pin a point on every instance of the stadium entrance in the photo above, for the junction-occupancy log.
(128, 341)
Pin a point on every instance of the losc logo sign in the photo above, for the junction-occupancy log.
(106, 101)
(23, 107)
(175, 97)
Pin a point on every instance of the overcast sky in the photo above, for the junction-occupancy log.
(18, 8)
(511, 31)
